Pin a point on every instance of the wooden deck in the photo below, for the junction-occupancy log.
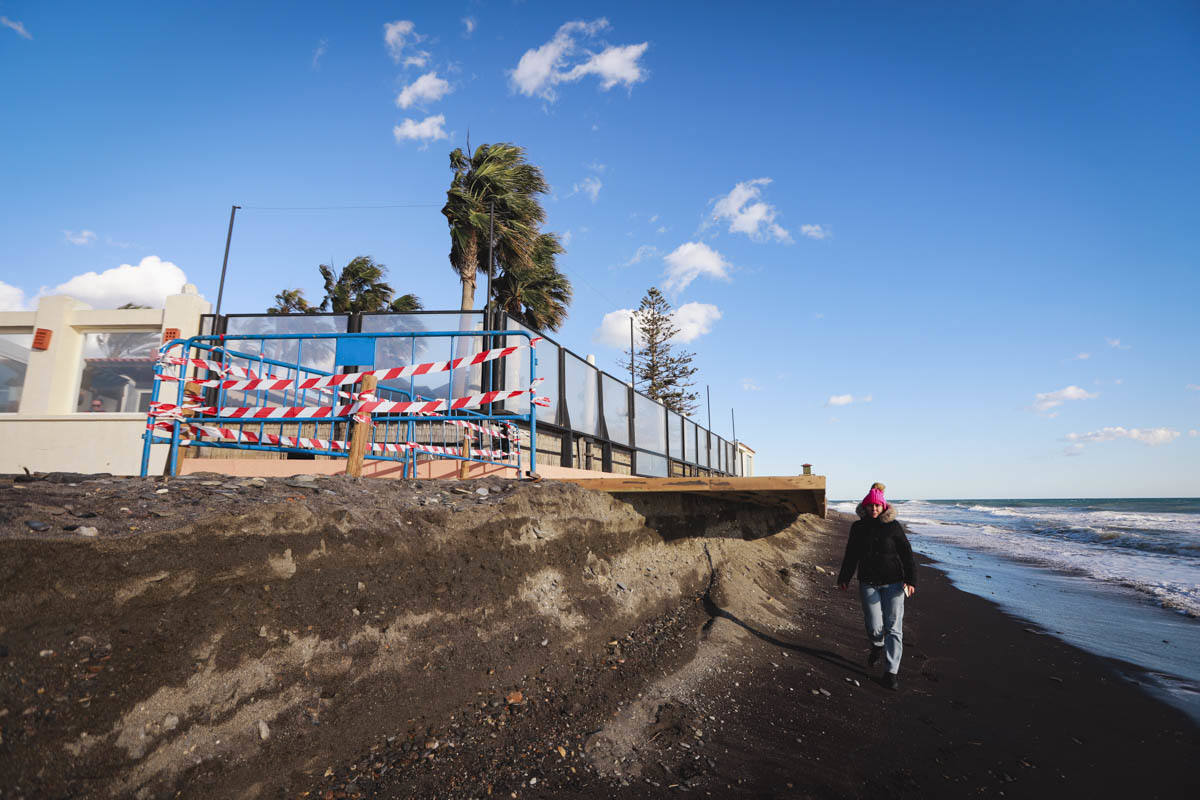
(804, 494)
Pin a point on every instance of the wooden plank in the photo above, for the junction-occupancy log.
(777, 483)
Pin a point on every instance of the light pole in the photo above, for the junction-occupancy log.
(221, 289)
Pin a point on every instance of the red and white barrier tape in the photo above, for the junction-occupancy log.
(365, 406)
(394, 373)
(304, 443)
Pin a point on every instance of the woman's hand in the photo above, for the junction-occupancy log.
(909, 590)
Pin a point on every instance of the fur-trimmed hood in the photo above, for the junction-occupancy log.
(888, 515)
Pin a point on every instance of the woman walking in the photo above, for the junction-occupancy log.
(880, 553)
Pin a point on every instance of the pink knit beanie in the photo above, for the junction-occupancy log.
(874, 497)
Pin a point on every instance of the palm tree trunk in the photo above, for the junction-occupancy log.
(468, 293)
(463, 346)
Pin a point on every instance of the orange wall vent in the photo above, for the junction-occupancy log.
(169, 334)
(41, 339)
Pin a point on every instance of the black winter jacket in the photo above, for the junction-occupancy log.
(880, 553)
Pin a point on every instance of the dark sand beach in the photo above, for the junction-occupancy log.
(244, 655)
(987, 706)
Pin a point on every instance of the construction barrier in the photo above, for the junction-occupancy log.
(227, 389)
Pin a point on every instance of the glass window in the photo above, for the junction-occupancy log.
(720, 453)
(689, 439)
(516, 374)
(675, 435)
(649, 424)
(405, 351)
(581, 395)
(705, 448)
(652, 465)
(281, 357)
(117, 371)
(316, 354)
(616, 409)
(14, 358)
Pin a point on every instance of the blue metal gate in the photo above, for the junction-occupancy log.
(284, 393)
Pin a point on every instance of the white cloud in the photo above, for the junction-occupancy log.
(1193, 433)
(469, 25)
(596, 166)
(614, 330)
(749, 385)
(396, 36)
(614, 65)
(1195, 387)
(1116, 344)
(847, 399)
(1045, 401)
(644, 252)
(590, 186)
(11, 298)
(815, 231)
(661, 229)
(691, 260)
(748, 214)
(427, 130)
(426, 89)
(81, 238)
(566, 238)
(320, 51)
(653, 219)
(148, 283)
(542, 68)
(692, 319)
(1083, 356)
(19, 27)
(419, 59)
(1151, 436)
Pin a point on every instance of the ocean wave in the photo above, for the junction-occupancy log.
(1170, 580)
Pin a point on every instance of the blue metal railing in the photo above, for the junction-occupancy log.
(273, 359)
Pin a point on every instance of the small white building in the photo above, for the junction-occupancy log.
(75, 382)
(745, 460)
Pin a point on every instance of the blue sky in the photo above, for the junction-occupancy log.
(948, 246)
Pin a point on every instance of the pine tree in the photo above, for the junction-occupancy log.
(660, 371)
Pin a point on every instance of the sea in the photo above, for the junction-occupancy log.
(1117, 577)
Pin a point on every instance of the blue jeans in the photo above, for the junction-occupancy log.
(883, 613)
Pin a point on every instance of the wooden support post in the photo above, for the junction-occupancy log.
(196, 389)
(360, 432)
(464, 466)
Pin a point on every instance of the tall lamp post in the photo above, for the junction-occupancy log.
(225, 263)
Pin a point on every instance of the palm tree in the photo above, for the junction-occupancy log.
(358, 287)
(291, 301)
(496, 176)
(537, 295)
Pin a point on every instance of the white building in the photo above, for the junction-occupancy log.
(75, 382)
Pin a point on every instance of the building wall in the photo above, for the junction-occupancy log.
(47, 434)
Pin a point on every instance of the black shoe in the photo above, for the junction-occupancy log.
(873, 656)
(891, 681)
